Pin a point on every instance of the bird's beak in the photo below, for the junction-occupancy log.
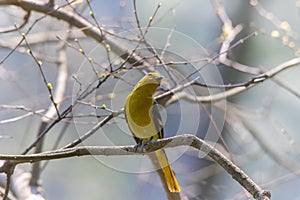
(158, 78)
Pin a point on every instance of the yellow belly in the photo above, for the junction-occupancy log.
(145, 131)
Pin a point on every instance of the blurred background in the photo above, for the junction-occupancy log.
(259, 126)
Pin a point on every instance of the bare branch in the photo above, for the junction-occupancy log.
(229, 33)
(52, 112)
(231, 92)
(47, 84)
(77, 21)
(17, 107)
(15, 27)
(180, 140)
(61, 83)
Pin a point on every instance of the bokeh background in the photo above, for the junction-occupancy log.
(261, 124)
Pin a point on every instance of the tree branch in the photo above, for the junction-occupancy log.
(180, 140)
(176, 94)
(76, 20)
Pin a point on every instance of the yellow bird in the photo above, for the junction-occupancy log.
(145, 122)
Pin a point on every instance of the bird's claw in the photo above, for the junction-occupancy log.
(140, 147)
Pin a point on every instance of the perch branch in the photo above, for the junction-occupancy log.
(188, 140)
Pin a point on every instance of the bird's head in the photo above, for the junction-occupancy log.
(149, 82)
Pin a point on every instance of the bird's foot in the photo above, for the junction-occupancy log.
(141, 147)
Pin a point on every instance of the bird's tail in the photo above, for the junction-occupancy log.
(169, 175)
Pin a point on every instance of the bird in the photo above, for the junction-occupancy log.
(145, 123)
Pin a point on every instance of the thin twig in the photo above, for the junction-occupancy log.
(238, 88)
(90, 132)
(137, 18)
(229, 33)
(225, 51)
(17, 107)
(15, 27)
(52, 112)
(47, 84)
(77, 21)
